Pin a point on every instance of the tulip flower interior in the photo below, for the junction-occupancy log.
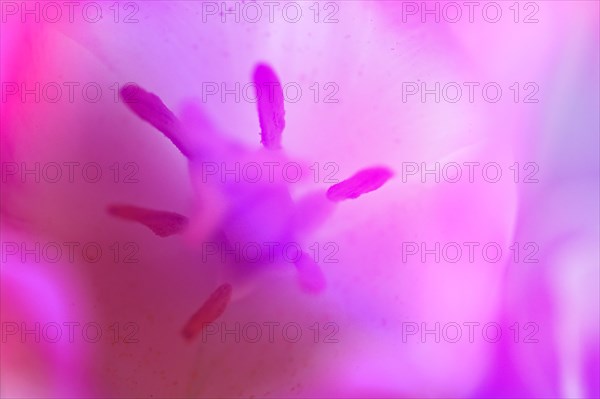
(334, 199)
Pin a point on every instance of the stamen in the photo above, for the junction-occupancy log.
(364, 181)
(150, 108)
(162, 223)
(271, 112)
(211, 310)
